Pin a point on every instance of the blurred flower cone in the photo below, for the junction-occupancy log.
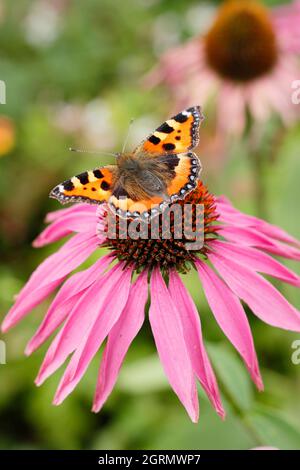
(246, 63)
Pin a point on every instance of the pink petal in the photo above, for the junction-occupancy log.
(169, 339)
(231, 318)
(73, 222)
(104, 291)
(263, 299)
(253, 237)
(49, 275)
(231, 101)
(233, 216)
(264, 448)
(21, 308)
(174, 65)
(286, 22)
(119, 340)
(108, 315)
(257, 101)
(65, 300)
(277, 233)
(76, 208)
(193, 338)
(256, 260)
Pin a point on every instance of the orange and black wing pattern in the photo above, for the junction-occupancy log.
(168, 146)
(185, 175)
(142, 209)
(95, 186)
(177, 135)
(184, 171)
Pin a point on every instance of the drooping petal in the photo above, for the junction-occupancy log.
(277, 233)
(286, 20)
(231, 101)
(106, 317)
(119, 340)
(253, 237)
(67, 297)
(49, 275)
(81, 222)
(169, 339)
(193, 337)
(174, 71)
(263, 299)
(231, 318)
(256, 260)
(75, 209)
(257, 100)
(110, 288)
(232, 216)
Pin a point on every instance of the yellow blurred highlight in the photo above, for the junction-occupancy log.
(7, 135)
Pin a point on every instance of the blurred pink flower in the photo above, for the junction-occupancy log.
(246, 62)
(103, 302)
(287, 19)
(265, 448)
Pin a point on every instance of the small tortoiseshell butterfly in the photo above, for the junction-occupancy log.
(143, 183)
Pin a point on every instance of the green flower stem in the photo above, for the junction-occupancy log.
(258, 160)
(260, 196)
(242, 415)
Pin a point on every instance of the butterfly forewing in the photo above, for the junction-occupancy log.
(93, 186)
(178, 134)
(168, 172)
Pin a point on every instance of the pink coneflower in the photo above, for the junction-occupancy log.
(104, 302)
(245, 64)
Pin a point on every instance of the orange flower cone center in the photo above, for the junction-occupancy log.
(171, 252)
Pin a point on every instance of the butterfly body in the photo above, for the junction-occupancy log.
(142, 183)
(142, 176)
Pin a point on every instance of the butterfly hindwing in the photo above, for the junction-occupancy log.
(176, 135)
(93, 186)
(186, 174)
(142, 209)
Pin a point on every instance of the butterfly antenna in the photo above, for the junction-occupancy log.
(127, 135)
(101, 152)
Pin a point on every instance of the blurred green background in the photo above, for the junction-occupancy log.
(73, 74)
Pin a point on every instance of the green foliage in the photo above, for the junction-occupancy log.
(233, 376)
(275, 429)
